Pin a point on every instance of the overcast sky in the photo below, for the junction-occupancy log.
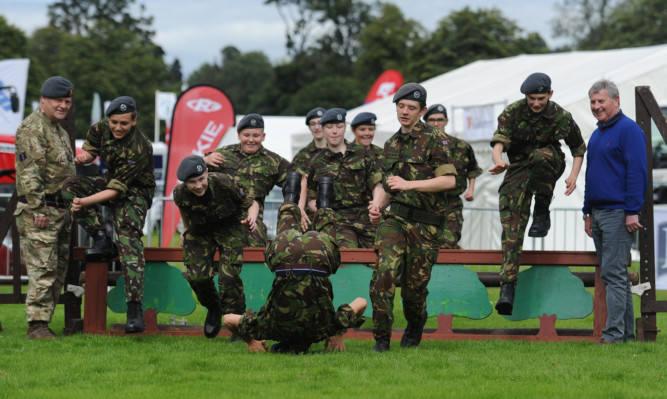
(194, 31)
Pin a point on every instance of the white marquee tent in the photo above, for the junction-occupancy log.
(496, 83)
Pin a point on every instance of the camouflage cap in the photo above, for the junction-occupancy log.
(364, 118)
(411, 91)
(435, 109)
(536, 83)
(191, 166)
(57, 87)
(315, 113)
(333, 115)
(252, 121)
(121, 105)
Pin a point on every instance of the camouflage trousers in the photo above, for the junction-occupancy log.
(535, 176)
(199, 249)
(128, 217)
(299, 309)
(354, 228)
(46, 253)
(454, 223)
(257, 238)
(409, 250)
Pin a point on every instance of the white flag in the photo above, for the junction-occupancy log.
(165, 102)
(13, 78)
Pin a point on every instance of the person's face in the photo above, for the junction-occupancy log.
(251, 139)
(364, 135)
(316, 128)
(334, 133)
(537, 102)
(197, 185)
(55, 109)
(409, 112)
(438, 121)
(121, 124)
(603, 107)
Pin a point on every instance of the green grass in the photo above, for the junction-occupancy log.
(95, 366)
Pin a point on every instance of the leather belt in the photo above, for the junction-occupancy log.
(417, 215)
(55, 201)
(300, 269)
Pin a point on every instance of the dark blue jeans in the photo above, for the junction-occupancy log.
(612, 244)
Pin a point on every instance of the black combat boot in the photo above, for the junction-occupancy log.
(506, 302)
(412, 335)
(213, 319)
(292, 187)
(103, 248)
(382, 344)
(135, 318)
(541, 224)
(208, 296)
(325, 192)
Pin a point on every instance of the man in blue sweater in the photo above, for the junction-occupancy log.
(616, 182)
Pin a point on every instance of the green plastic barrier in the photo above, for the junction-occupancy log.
(165, 290)
(455, 290)
(549, 290)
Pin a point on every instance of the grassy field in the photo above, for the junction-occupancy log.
(88, 366)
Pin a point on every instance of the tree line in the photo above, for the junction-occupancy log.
(107, 46)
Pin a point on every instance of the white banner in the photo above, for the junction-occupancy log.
(165, 102)
(14, 77)
(660, 232)
(479, 122)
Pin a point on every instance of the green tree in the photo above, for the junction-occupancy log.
(585, 22)
(385, 43)
(13, 42)
(636, 23)
(466, 36)
(80, 17)
(246, 78)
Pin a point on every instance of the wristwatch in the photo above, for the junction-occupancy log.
(586, 215)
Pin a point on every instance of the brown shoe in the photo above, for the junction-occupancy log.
(40, 330)
(605, 341)
(633, 277)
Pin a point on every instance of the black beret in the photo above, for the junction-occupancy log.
(191, 166)
(364, 118)
(121, 105)
(536, 83)
(252, 121)
(411, 91)
(315, 113)
(57, 87)
(435, 109)
(333, 115)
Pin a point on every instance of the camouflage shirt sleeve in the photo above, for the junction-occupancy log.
(93, 141)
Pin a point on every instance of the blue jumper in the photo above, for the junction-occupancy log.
(616, 176)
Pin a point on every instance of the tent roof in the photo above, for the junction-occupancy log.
(497, 82)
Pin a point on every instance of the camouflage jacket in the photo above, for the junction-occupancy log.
(129, 160)
(258, 172)
(44, 159)
(302, 159)
(521, 130)
(355, 176)
(423, 153)
(376, 153)
(465, 163)
(224, 203)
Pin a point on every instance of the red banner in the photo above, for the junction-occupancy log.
(385, 85)
(201, 117)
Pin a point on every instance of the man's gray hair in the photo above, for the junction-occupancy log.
(604, 84)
